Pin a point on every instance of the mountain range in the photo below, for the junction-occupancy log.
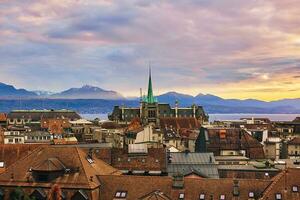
(85, 92)
(87, 97)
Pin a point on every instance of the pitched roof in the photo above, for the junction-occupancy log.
(51, 164)
(37, 115)
(10, 153)
(179, 123)
(81, 172)
(154, 160)
(192, 158)
(136, 186)
(139, 186)
(3, 116)
(155, 195)
(283, 184)
(233, 139)
(202, 164)
(294, 141)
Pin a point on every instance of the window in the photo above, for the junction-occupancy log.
(295, 188)
(10, 140)
(118, 194)
(181, 196)
(202, 196)
(251, 195)
(121, 194)
(278, 196)
(222, 197)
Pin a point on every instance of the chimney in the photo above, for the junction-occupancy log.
(236, 189)
(90, 154)
(178, 181)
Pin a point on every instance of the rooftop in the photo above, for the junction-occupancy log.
(79, 174)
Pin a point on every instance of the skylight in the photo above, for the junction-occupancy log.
(251, 194)
(181, 196)
(295, 188)
(202, 196)
(121, 194)
(278, 196)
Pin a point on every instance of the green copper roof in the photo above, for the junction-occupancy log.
(150, 97)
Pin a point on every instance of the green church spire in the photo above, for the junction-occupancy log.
(150, 97)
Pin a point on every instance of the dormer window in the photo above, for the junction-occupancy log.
(251, 194)
(295, 188)
(202, 197)
(121, 194)
(181, 196)
(278, 196)
(222, 197)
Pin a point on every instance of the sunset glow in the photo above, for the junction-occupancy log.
(233, 49)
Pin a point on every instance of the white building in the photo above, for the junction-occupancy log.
(14, 137)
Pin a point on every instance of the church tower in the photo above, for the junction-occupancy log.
(149, 105)
(150, 97)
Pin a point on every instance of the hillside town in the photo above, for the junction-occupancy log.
(154, 151)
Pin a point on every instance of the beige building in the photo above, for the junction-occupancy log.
(145, 135)
(14, 137)
(294, 148)
(272, 148)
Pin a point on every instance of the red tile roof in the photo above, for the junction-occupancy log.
(10, 153)
(179, 123)
(234, 139)
(82, 173)
(283, 184)
(154, 160)
(294, 141)
(138, 187)
(3, 117)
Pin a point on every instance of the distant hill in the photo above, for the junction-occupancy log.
(91, 99)
(215, 104)
(171, 97)
(10, 92)
(87, 92)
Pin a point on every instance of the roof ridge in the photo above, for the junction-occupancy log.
(84, 171)
(274, 182)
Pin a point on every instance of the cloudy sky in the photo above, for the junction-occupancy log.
(230, 48)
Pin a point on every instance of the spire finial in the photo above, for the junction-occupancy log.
(150, 96)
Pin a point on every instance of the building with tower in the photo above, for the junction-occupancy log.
(151, 111)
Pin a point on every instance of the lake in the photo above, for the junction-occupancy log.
(213, 117)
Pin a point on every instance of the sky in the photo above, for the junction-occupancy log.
(230, 48)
